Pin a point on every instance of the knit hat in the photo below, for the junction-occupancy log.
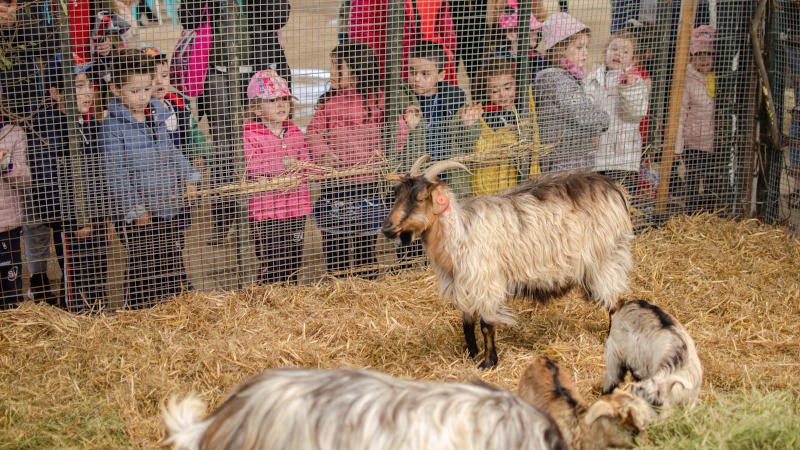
(702, 39)
(268, 85)
(559, 27)
(54, 73)
(508, 19)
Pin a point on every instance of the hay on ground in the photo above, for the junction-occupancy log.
(735, 285)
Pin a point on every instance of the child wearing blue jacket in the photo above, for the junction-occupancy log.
(149, 180)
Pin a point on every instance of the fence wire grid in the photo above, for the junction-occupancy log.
(153, 148)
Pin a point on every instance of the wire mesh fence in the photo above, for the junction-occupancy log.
(157, 148)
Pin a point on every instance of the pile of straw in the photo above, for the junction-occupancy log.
(735, 285)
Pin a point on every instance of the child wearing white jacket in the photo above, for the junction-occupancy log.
(623, 91)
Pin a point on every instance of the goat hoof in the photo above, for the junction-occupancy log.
(486, 365)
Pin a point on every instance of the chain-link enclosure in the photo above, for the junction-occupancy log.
(156, 148)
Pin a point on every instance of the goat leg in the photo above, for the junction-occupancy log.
(489, 352)
(469, 334)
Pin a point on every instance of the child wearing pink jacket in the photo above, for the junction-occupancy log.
(272, 146)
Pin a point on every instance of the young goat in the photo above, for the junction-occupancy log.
(298, 409)
(657, 350)
(537, 240)
(612, 421)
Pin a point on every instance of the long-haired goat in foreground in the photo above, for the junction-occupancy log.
(537, 239)
(299, 409)
(657, 350)
(612, 421)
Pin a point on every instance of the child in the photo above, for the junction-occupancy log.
(84, 218)
(490, 129)
(149, 179)
(14, 175)
(507, 49)
(183, 128)
(568, 119)
(430, 103)
(345, 134)
(624, 94)
(50, 164)
(695, 142)
(272, 145)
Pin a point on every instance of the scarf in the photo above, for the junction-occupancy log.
(578, 72)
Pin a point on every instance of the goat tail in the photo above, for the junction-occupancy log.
(183, 422)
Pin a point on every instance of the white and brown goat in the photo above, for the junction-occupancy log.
(536, 240)
(312, 409)
(658, 352)
(614, 420)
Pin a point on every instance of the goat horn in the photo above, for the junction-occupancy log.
(441, 166)
(418, 163)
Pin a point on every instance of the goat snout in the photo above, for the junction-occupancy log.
(389, 229)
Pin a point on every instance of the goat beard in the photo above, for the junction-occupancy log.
(406, 237)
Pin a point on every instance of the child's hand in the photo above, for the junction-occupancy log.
(8, 13)
(102, 45)
(289, 162)
(84, 232)
(413, 116)
(471, 114)
(191, 192)
(144, 219)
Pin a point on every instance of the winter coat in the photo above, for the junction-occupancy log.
(264, 153)
(696, 125)
(432, 135)
(48, 153)
(345, 134)
(620, 147)
(15, 178)
(146, 173)
(428, 20)
(183, 129)
(567, 118)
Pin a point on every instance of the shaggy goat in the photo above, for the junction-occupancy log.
(612, 421)
(298, 409)
(658, 352)
(536, 240)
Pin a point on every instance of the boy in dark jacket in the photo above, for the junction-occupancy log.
(49, 160)
(431, 104)
(149, 180)
(82, 237)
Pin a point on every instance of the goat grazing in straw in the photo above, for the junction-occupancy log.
(299, 409)
(612, 421)
(535, 240)
(658, 352)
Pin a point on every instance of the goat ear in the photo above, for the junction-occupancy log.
(394, 178)
(600, 408)
(439, 199)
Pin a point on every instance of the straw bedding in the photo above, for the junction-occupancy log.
(735, 286)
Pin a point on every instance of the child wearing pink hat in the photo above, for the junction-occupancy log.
(568, 119)
(695, 142)
(272, 147)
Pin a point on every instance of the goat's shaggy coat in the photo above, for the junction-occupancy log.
(612, 421)
(657, 350)
(536, 240)
(298, 409)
